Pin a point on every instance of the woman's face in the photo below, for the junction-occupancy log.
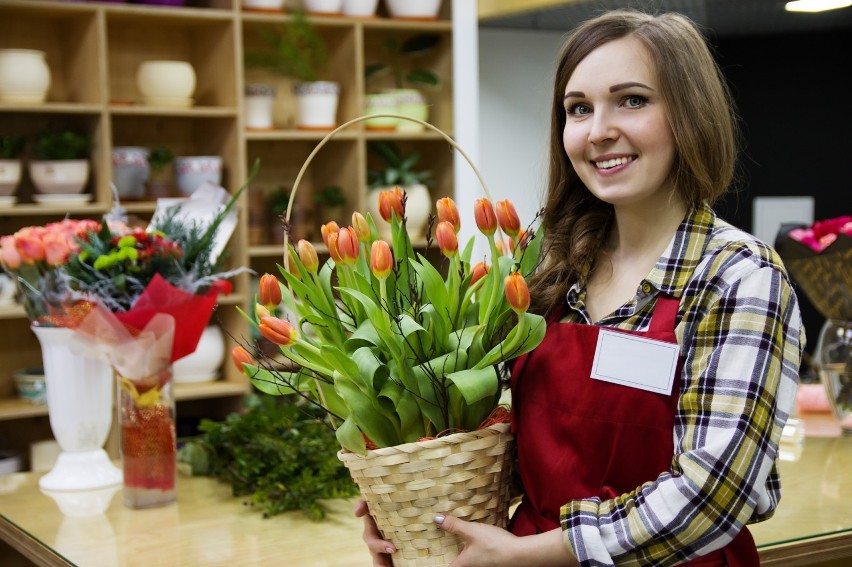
(616, 134)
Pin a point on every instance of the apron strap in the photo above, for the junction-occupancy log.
(665, 314)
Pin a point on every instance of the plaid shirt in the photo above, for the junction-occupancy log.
(741, 339)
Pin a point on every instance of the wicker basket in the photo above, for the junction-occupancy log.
(463, 474)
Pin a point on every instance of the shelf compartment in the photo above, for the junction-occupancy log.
(70, 40)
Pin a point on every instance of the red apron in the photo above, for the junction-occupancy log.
(578, 437)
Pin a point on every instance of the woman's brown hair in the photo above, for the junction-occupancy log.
(701, 113)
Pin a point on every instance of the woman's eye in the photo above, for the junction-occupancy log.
(578, 109)
(634, 101)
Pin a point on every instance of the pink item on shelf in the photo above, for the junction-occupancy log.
(811, 398)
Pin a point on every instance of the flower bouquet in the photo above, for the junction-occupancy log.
(819, 259)
(405, 360)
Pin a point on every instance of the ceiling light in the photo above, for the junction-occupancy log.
(816, 5)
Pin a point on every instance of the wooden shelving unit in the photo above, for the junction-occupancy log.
(93, 50)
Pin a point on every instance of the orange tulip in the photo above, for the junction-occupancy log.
(347, 245)
(517, 292)
(447, 211)
(260, 312)
(381, 259)
(508, 219)
(391, 202)
(501, 247)
(308, 256)
(486, 220)
(328, 229)
(478, 272)
(362, 229)
(331, 242)
(279, 331)
(241, 356)
(291, 265)
(448, 242)
(269, 290)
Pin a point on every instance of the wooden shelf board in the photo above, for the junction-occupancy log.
(35, 209)
(193, 111)
(271, 135)
(193, 16)
(12, 311)
(233, 299)
(204, 390)
(425, 135)
(16, 408)
(412, 25)
(53, 107)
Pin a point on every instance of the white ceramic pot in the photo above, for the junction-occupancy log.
(317, 105)
(79, 404)
(414, 9)
(328, 7)
(10, 176)
(411, 103)
(192, 171)
(360, 8)
(418, 207)
(61, 177)
(381, 103)
(166, 83)
(259, 103)
(24, 76)
(203, 364)
(264, 5)
(130, 171)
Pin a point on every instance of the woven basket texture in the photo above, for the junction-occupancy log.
(463, 474)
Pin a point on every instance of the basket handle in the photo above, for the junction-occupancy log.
(345, 125)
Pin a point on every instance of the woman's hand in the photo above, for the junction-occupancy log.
(379, 548)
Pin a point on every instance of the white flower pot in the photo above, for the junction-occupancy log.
(418, 206)
(166, 83)
(79, 404)
(192, 171)
(130, 171)
(259, 103)
(317, 105)
(328, 7)
(381, 103)
(10, 176)
(203, 364)
(61, 177)
(264, 5)
(24, 76)
(414, 9)
(411, 103)
(360, 8)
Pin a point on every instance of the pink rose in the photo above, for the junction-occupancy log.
(9, 256)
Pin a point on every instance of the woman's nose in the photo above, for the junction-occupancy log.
(602, 128)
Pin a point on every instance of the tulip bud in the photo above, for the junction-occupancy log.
(486, 220)
(291, 266)
(517, 292)
(508, 219)
(260, 312)
(269, 291)
(241, 356)
(277, 330)
(448, 242)
(308, 256)
(478, 272)
(332, 247)
(328, 229)
(347, 245)
(391, 201)
(362, 229)
(381, 259)
(447, 211)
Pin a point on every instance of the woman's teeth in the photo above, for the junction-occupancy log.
(610, 163)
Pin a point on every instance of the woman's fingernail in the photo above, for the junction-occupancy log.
(438, 519)
(389, 549)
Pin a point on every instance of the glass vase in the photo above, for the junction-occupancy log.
(148, 440)
(834, 360)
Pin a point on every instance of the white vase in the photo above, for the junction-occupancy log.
(24, 76)
(59, 177)
(79, 404)
(317, 105)
(259, 103)
(204, 363)
(418, 206)
(130, 170)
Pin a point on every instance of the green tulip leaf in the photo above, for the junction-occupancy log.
(350, 437)
(475, 384)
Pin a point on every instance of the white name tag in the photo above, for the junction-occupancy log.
(635, 361)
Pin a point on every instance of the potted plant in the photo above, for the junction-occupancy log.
(406, 79)
(331, 200)
(399, 171)
(297, 51)
(11, 147)
(160, 160)
(61, 168)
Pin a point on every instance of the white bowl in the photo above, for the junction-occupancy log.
(60, 177)
(10, 176)
(192, 171)
(170, 80)
(29, 382)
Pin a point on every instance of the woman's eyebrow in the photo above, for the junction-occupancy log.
(622, 86)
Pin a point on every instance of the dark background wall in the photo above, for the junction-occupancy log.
(796, 114)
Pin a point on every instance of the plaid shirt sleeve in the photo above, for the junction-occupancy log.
(740, 338)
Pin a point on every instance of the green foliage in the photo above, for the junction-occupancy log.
(61, 145)
(159, 157)
(330, 196)
(280, 455)
(398, 170)
(277, 200)
(11, 146)
(296, 50)
(399, 54)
